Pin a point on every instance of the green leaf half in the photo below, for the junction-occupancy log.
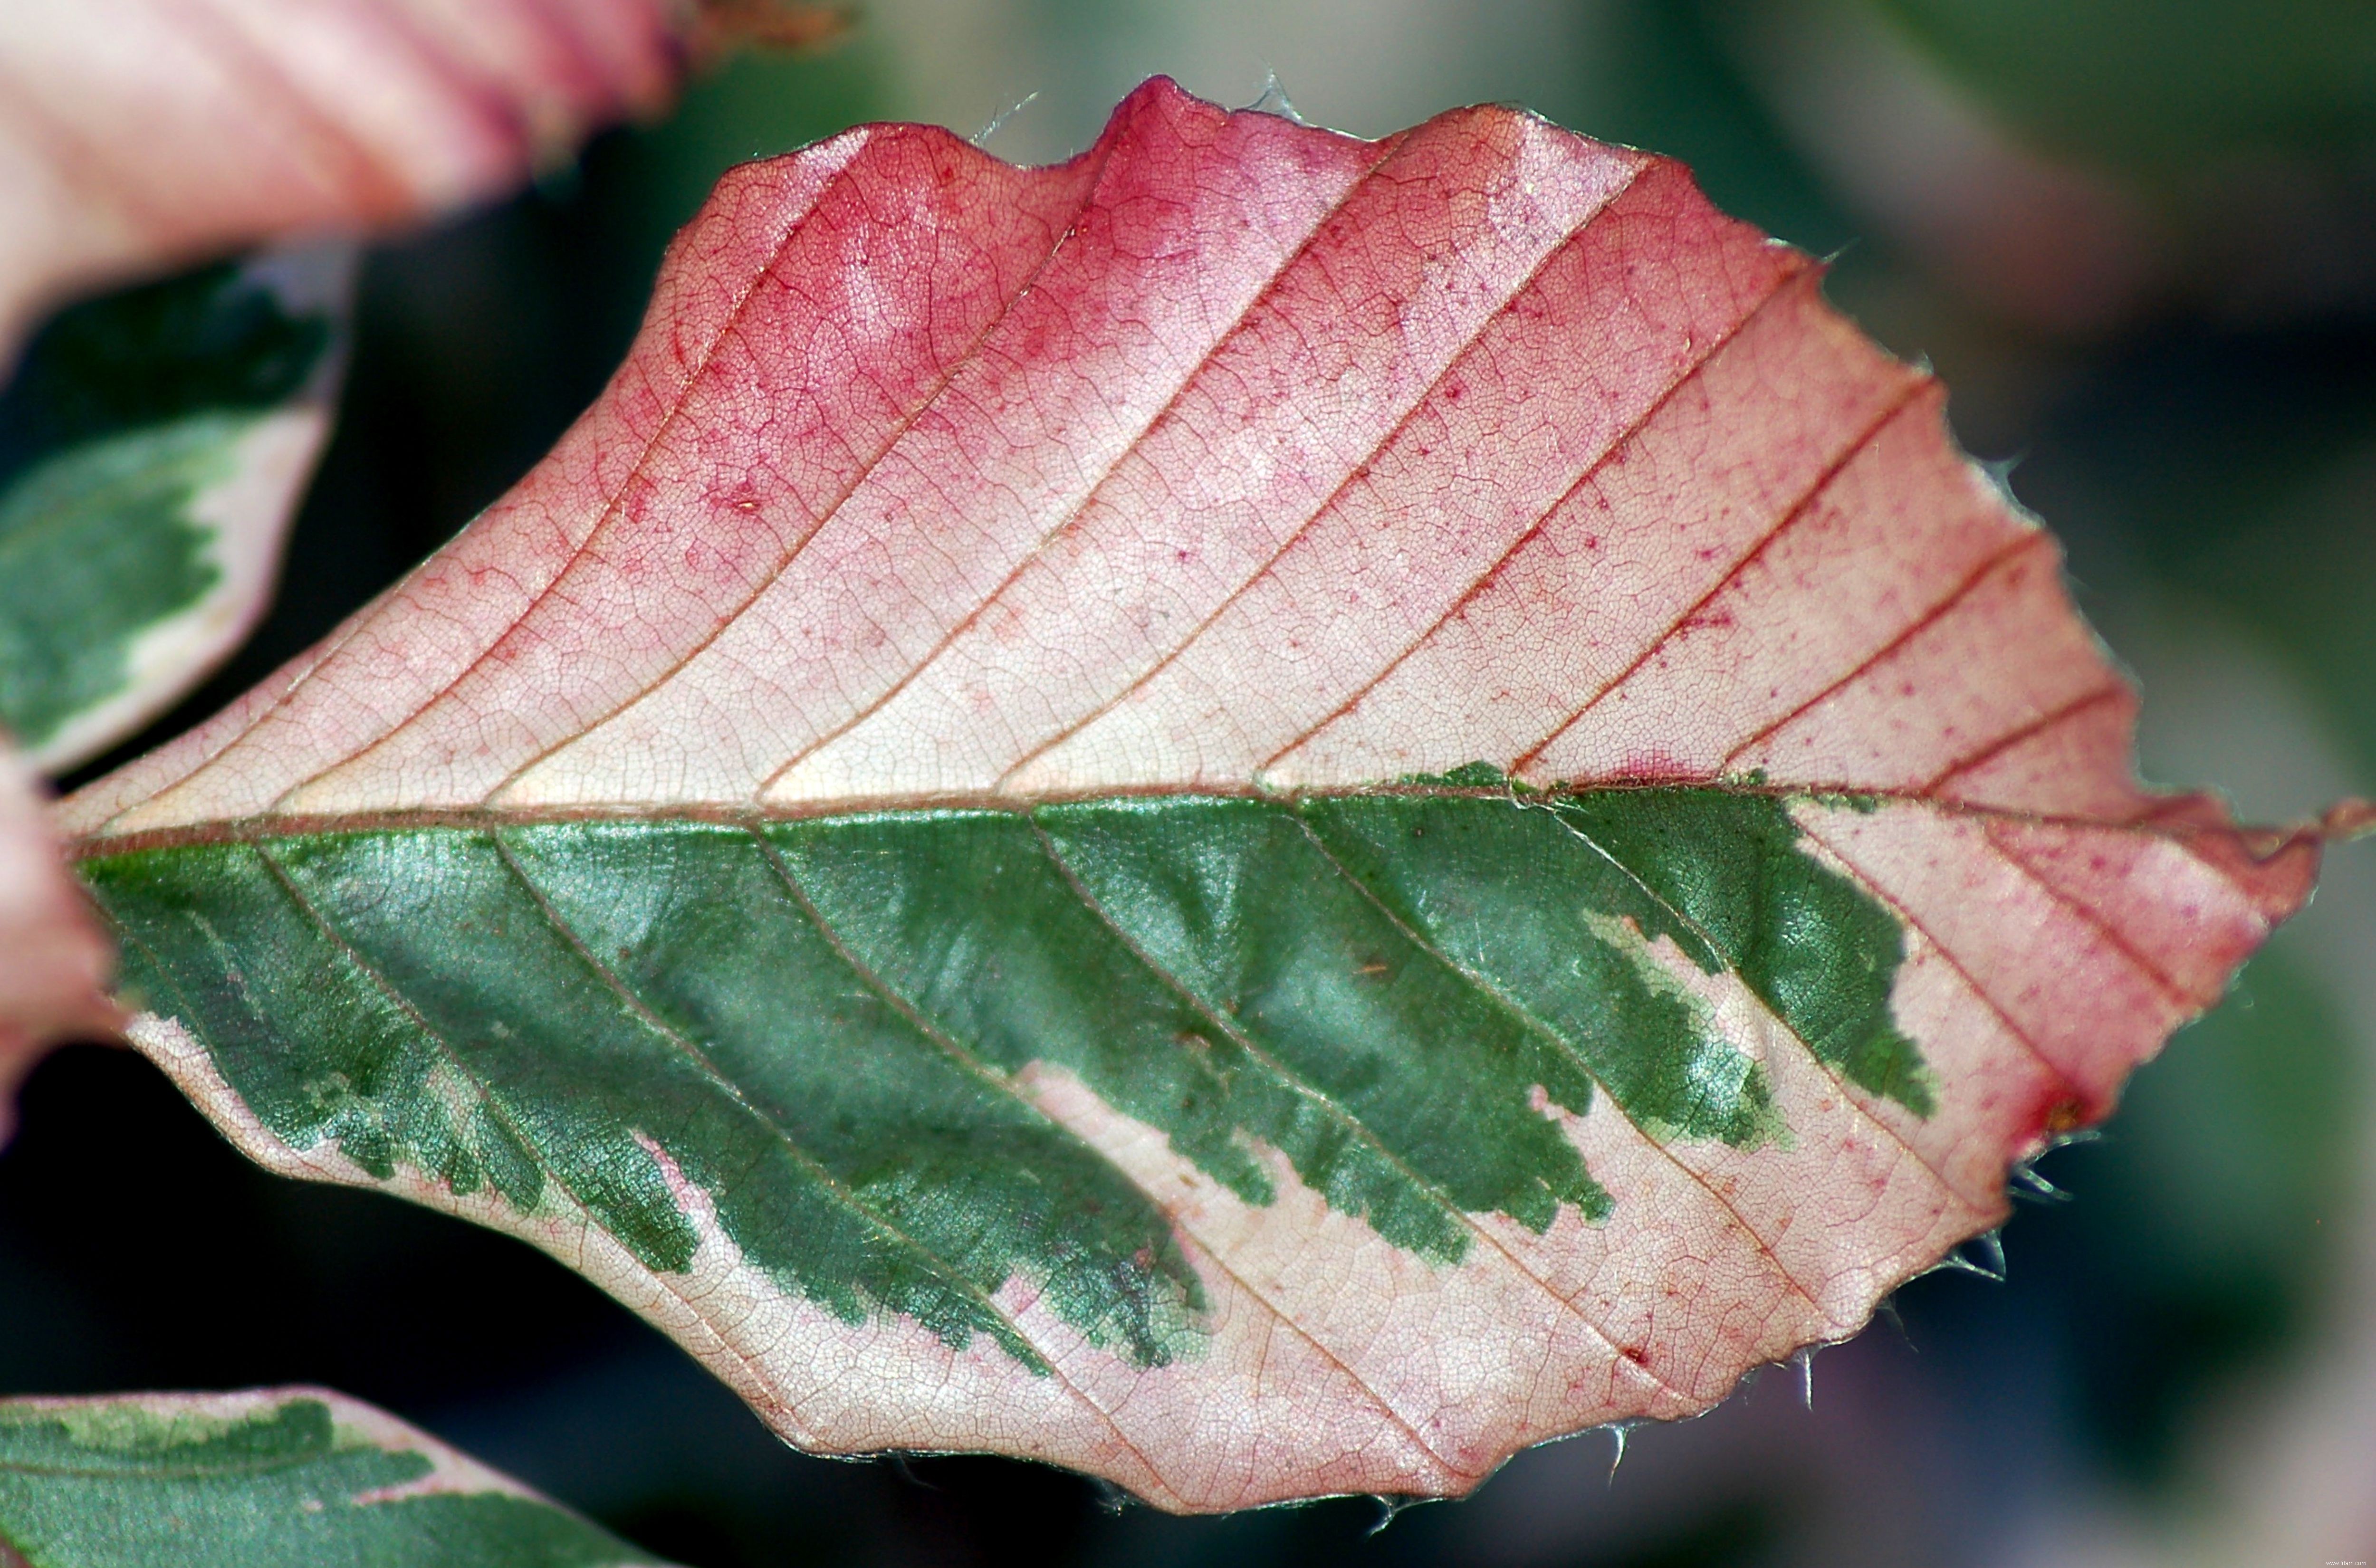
(823, 1022)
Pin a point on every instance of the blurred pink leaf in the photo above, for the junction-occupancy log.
(53, 962)
(137, 134)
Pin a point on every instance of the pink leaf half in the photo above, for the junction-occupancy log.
(54, 965)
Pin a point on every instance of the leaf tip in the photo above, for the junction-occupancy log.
(2346, 820)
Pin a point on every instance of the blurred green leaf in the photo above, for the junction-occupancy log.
(262, 1479)
(2157, 87)
(2208, 1221)
(152, 448)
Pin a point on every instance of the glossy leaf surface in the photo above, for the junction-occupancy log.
(273, 1479)
(1264, 813)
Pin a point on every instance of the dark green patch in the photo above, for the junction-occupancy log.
(840, 1030)
(1513, 897)
(945, 1179)
(208, 339)
(1731, 887)
(125, 408)
(113, 1484)
(1427, 1082)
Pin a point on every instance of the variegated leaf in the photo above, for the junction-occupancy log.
(1264, 813)
(282, 1478)
(153, 449)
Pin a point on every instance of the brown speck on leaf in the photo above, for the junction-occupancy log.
(2063, 1115)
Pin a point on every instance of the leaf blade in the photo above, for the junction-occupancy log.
(1419, 858)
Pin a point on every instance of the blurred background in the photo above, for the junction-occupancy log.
(2138, 240)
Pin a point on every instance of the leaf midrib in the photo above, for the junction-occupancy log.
(269, 828)
(265, 826)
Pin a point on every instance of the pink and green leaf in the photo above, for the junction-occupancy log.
(154, 445)
(1264, 813)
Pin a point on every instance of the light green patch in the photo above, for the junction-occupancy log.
(125, 410)
(826, 1023)
(142, 1431)
(120, 1483)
